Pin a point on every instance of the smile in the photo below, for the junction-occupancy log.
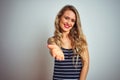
(66, 26)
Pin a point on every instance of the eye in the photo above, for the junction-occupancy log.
(73, 20)
(66, 17)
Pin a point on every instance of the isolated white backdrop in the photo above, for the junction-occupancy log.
(26, 25)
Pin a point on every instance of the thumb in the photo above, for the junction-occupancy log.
(50, 46)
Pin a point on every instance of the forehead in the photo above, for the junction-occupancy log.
(70, 14)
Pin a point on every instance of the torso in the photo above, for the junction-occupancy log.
(66, 70)
(66, 43)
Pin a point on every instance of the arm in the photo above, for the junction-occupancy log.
(85, 67)
(55, 50)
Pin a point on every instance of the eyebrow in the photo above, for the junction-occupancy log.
(70, 18)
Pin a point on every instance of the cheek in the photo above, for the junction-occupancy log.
(73, 24)
(61, 22)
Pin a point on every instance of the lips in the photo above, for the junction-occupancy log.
(66, 26)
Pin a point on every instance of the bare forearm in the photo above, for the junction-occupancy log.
(85, 67)
(84, 72)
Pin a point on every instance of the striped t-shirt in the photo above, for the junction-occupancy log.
(66, 70)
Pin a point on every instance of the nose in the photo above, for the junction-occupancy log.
(69, 22)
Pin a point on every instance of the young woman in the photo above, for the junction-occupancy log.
(69, 46)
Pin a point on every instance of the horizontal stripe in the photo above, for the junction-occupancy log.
(67, 63)
(66, 77)
(67, 72)
(66, 69)
(67, 66)
(68, 58)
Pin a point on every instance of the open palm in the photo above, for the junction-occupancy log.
(56, 52)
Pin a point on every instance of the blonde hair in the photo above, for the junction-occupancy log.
(76, 34)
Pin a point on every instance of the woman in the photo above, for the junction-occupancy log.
(68, 46)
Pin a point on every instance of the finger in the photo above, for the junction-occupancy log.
(59, 54)
(58, 58)
(62, 57)
(54, 54)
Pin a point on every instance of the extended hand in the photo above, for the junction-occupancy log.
(56, 52)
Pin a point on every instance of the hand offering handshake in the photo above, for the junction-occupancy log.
(56, 52)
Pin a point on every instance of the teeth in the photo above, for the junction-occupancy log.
(66, 26)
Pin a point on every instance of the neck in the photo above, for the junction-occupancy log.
(66, 42)
(65, 35)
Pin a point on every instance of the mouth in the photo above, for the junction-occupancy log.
(66, 26)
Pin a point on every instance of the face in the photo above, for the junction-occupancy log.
(67, 21)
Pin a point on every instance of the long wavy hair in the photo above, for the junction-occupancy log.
(76, 35)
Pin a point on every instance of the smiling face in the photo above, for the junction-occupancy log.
(67, 21)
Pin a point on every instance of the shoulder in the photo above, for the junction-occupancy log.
(84, 37)
(51, 40)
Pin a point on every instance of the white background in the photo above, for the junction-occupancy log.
(26, 25)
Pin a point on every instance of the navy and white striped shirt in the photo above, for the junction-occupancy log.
(66, 70)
